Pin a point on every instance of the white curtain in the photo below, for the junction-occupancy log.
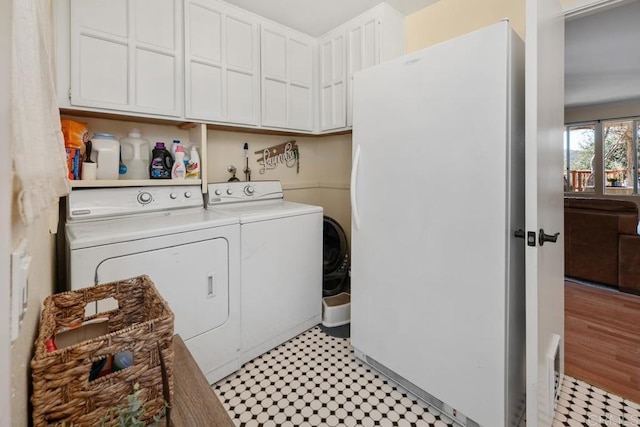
(39, 159)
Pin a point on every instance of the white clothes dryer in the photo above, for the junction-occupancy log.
(280, 263)
(191, 254)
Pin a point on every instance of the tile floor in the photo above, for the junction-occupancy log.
(315, 380)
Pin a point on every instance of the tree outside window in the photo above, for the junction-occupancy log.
(580, 152)
(618, 149)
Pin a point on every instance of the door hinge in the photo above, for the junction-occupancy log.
(69, 94)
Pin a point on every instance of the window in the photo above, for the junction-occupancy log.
(579, 157)
(618, 156)
(602, 157)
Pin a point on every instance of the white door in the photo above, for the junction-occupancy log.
(287, 78)
(333, 101)
(544, 204)
(222, 63)
(127, 55)
(193, 278)
(363, 41)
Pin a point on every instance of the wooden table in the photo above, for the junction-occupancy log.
(194, 401)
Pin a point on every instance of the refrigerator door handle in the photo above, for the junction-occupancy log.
(352, 192)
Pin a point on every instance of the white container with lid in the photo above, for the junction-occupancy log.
(105, 151)
(135, 155)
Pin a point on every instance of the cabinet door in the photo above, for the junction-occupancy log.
(363, 47)
(376, 36)
(333, 69)
(287, 78)
(221, 63)
(126, 55)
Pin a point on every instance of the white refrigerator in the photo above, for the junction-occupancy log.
(437, 194)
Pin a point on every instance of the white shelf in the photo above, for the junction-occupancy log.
(134, 183)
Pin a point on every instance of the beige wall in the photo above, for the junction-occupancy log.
(325, 166)
(446, 19)
(41, 246)
(5, 209)
(40, 285)
(613, 110)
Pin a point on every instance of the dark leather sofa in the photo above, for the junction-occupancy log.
(602, 242)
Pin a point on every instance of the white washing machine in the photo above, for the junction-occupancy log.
(191, 254)
(280, 263)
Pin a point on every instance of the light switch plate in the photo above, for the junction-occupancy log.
(20, 261)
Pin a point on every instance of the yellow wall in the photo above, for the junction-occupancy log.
(446, 19)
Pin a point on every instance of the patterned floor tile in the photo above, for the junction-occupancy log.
(315, 380)
(581, 404)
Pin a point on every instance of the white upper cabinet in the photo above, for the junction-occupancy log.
(126, 55)
(333, 84)
(287, 59)
(222, 63)
(372, 38)
(211, 62)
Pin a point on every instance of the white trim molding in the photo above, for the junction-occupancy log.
(579, 8)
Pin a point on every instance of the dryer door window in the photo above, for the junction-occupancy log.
(193, 278)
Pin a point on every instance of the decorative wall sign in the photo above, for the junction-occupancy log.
(286, 153)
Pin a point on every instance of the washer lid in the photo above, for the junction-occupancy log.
(117, 230)
(249, 212)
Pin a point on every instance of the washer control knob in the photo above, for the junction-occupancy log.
(144, 197)
(248, 190)
(187, 194)
(173, 195)
(218, 191)
(229, 191)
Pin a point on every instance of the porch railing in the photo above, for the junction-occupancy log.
(580, 179)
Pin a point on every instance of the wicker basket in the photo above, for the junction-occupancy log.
(142, 324)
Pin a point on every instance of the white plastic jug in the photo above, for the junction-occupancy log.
(105, 151)
(135, 155)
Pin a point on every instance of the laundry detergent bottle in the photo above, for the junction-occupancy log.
(161, 162)
(135, 154)
(178, 170)
(193, 165)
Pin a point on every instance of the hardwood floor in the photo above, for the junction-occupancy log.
(602, 338)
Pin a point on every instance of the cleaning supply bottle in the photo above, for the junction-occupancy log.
(160, 167)
(106, 153)
(178, 170)
(193, 166)
(135, 155)
(174, 147)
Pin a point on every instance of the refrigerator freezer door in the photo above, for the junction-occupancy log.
(430, 240)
